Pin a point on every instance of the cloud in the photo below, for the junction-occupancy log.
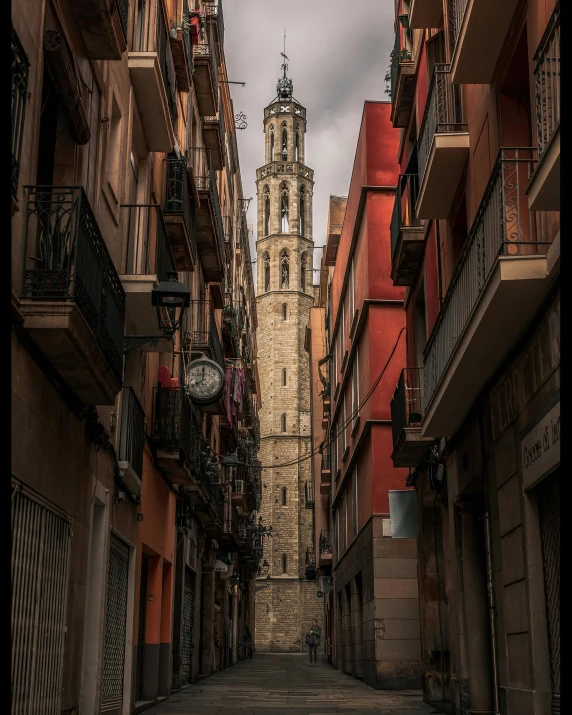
(338, 56)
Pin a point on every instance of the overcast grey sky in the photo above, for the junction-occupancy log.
(339, 54)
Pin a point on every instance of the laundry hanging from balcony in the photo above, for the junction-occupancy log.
(235, 379)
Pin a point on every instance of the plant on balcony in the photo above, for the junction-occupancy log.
(395, 58)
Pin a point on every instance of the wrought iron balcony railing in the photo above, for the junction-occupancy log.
(147, 249)
(214, 12)
(456, 17)
(404, 214)
(401, 53)
(407, 401)
(205, 180)
(154, 37)
(207, 50)
(67, 260)
(503, 226)
(176, 424)
(132, 431)
(200, 331)
(547, 82)
(178, 199)
(20, 75)
(122, 7)
(325, 543)
(443, 113)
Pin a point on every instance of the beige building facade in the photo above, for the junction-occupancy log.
(287, 589)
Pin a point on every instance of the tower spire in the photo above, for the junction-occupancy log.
(285, 85)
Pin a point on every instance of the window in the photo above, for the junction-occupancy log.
(343, 425)
(284, 311)
(266, 262)
(284, 563)
(355, 388)
(344, 511)
(303, 271)
(297, 149)
(283, 422)
(114, 148)
(271, 143)
(420, 325)
(355, 503)
(284, 270)
(284, 375)
(284, 496)
(343, 331)
(284, 208)
(266, 200)
(284, 144)
(302, 211)
(351, 289)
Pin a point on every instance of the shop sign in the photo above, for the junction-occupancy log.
(540, 444)
(403, 513)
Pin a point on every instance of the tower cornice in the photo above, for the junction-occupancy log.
(285, 168)
(283, 108)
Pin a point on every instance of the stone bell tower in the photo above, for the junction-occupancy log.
(286, 600)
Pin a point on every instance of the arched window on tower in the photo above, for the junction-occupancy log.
(283, 422)
(284, 496)
(297, 146)
(271, 143)
(284, 377)
(284, 270)
(302, 211)
(303, 271)
(284, 142)
(284, 208)
(284, 311)
(266, 262)
(284, 563)
(266, 195)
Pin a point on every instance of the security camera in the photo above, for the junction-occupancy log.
(120, 496)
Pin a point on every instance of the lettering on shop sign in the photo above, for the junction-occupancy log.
(527, 373)
(540, 445)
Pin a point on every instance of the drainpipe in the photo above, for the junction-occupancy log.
(490, 577)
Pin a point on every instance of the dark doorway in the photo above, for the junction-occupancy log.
(141, 627)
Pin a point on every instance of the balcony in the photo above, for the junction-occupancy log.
(310, 569)
(175, 435)
(230, 541)
(216, 20)
(325, 471)
(179, 214)
(205, 78)
(131, 440)
(544, 188)
(478, 24)
(409, 446)
(442, 147)
(213, 136)
(210, 233)
(425, 14)
(324, 550)
(228, 230)
(211, 511)
(407, 232)
(200, 332)
(103, 25)
(403, 79)
(20, 76)
(230, 328)
(146, 261)
(72, 299)
(182, 51)
(153, 78)
(496, 289)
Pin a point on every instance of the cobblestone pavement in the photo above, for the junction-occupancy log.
(271, 684)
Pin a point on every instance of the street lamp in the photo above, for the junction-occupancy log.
(170, 299)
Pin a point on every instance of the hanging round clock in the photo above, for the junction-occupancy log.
(205, 381)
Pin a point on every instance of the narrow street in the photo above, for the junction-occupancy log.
(272, 683)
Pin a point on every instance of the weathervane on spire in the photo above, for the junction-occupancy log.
(285, 86)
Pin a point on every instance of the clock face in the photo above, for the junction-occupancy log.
(205, 380)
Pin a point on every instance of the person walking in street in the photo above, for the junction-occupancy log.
(313, 641)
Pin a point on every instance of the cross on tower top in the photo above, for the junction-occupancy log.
(285, 85)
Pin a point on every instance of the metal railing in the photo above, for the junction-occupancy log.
(178, 197)
(503, 226)
(207, 50)
(147, 250)
(122, 7)
(200, 329)
(176, 424)
(145, 40)
(404, 213)
(325, 543)
(401, 53)
(443, 113)
(456, 18)
(20, 76)
(215, 12)
(67, 259)
(407, 401)
(547, 82)
(132, 431)
(219, 119)
(205, 180)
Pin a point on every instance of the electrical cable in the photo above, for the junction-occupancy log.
(341, 428)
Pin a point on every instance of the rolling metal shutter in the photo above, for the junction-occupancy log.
(40, 561)
(187, 635)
